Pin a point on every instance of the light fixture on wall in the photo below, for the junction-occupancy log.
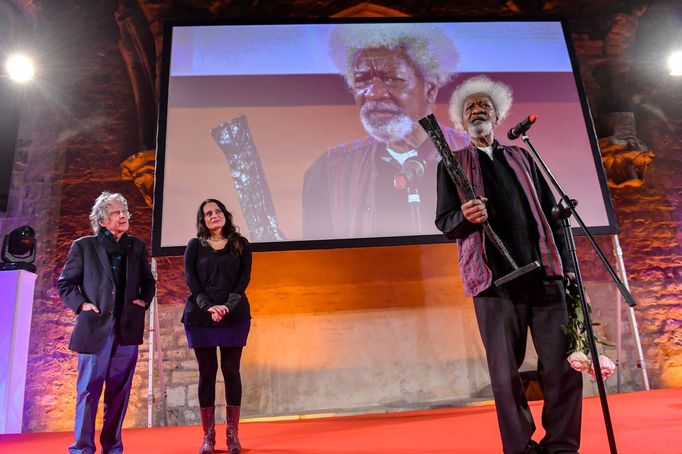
(19, 250)
(675, 63)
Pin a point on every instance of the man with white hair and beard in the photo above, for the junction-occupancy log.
(394, 72)
(515, 199)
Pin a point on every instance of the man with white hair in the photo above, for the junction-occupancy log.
(394, 72)
(515, 199)
(107, 282)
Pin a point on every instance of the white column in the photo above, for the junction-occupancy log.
(16, 307)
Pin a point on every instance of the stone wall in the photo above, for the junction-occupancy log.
(75, 131)
(81, 122)
(622, 67)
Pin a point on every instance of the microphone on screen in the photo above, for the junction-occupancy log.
(412, 169)
(521, 127)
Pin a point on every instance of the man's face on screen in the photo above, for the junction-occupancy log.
(390, 93)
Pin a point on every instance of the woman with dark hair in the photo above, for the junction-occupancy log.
(217, 314)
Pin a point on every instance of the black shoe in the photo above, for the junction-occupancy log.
(533, 448)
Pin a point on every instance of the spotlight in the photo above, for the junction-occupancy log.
(675, 63)
(19, 250)
(20, 68)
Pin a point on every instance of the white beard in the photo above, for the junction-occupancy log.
(397, 128)
(480, 129)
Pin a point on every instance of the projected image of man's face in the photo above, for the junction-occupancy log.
(303, 129)
(390, 93)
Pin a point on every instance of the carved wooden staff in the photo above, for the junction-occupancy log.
(430, 125)
(234, 138)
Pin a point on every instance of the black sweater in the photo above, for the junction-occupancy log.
(216, 278)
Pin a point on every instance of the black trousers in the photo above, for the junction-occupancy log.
(504, 315)
(230, 358)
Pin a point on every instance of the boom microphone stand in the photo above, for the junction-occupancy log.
(563, 211)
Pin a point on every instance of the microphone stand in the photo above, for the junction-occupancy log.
(414, 200)
(411, 170)
(563, 211)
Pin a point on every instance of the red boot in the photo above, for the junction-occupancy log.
(208, 424)
(233, 445)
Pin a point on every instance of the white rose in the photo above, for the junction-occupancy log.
(579, 361)
(606, 365)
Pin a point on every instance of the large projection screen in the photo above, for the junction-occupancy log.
(260, 117)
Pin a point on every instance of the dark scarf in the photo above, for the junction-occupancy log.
(117, 251)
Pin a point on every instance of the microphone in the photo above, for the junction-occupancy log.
(521, 128)
(412, 169)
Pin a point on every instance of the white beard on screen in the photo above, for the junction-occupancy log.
(480, 129)
(397, 128)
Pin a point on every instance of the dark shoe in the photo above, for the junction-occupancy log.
(545, 450)
(533, 448)
(233, 445)
(208, 424)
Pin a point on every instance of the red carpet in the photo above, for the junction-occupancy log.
(647, 422)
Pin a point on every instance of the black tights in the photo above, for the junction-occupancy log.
(208, 370)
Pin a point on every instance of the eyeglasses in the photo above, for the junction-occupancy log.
(118, 213)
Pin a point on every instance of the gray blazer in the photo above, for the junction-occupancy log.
(88, 278)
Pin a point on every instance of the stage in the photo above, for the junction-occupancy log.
(646, 422)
